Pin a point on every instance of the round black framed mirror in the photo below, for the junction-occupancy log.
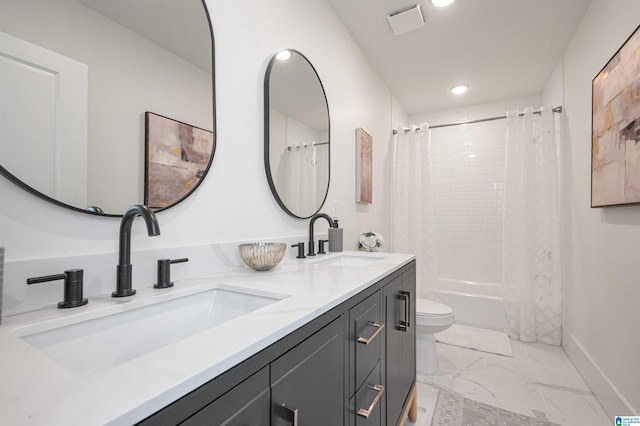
(296, 134)
(107, 104)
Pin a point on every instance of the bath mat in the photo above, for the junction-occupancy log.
(480, 339)
(453, 409)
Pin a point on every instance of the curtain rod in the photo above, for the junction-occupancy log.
(305, 145)
(557, 109)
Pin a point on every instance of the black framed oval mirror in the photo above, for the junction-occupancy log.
(296, 134)
(79, 79)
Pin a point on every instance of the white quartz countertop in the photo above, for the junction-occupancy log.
(38, 391)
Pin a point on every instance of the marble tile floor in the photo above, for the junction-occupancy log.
(539, 381)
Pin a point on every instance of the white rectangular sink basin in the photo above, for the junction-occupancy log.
(95, 341)
(348, 260)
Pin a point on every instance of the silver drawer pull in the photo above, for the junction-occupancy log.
(366, 340)
(407, 311)
(366, 413)
(291, 415)
(404, 323)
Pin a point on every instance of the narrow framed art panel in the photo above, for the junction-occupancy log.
(615, 128)
(176, 158)
(364, 167)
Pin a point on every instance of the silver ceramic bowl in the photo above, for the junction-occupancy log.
(262, 256)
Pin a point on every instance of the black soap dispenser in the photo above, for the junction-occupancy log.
(335, 237)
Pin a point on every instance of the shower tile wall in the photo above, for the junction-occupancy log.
(468, 165)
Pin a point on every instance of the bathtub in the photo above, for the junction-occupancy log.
(474, 303)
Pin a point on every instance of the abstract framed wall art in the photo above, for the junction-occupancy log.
(364, 167)
(176, 157)
(615, 128)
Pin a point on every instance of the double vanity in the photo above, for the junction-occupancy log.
(326, 340)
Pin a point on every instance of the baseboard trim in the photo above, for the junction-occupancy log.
(611, 400)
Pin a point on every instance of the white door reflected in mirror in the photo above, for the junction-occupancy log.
(43, 117)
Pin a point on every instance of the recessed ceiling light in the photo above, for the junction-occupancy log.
(283, 55)
(441, 3)
(459, 89)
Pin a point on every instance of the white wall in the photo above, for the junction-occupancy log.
(602, 245)
(553, 93)
(234, 202)
(399, 116)
(247, 36)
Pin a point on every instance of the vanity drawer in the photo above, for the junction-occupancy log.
(247, 403)
(366, 333)
(367, 404)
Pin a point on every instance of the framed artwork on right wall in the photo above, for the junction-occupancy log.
(615, 128)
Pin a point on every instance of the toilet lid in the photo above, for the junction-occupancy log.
(426, 307)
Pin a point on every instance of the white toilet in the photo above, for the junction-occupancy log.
(431, 317)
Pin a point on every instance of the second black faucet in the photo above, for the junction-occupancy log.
(315, 217)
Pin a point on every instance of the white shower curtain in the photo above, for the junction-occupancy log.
(412, 205)
(300, 167)
(532, 235)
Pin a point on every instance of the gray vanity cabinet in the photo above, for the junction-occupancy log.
(354, 365)
(308, 381)
(400, 355)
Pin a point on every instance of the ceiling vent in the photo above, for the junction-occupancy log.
(406, 20)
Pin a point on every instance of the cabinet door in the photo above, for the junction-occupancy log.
(245, 405)
(307, 383)
(400, 345)
(409, 342)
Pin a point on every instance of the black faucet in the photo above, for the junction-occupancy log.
(123, 285)
(311, 223)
